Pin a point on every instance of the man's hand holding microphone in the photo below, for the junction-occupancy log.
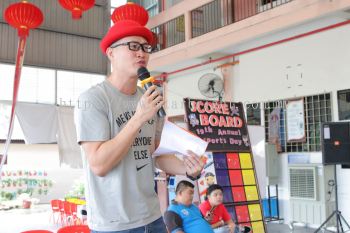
(152, 101)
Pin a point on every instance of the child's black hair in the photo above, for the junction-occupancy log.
(182, 185)
(211, 189)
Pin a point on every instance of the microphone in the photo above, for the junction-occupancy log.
(145, 77)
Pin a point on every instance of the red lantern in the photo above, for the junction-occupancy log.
(130, 11)
(77, 6)
(23, 16)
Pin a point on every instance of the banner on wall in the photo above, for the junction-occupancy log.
(221, 124)
(274, 128)
(295, 121)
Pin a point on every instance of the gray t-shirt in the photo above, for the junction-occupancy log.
(125, 198)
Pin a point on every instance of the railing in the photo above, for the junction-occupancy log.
(154, 7)
(264, 5)
(220, 13)
(209, 17)
(170, 33)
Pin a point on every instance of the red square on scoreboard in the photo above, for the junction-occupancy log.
(242, 213)
(238, 194)
(233, 161)
(236, 177)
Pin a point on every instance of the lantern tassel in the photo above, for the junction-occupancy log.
(17, 78)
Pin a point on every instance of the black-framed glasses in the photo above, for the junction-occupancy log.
(135, 46)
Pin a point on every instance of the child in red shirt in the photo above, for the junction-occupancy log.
(216, 213)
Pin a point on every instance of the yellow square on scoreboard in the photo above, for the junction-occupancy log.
(248, 177)
(251, 193)
(258, 227)
(246, 160)
(255, 212)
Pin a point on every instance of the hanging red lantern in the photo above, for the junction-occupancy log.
(77, 6)
(23, 16)
(130, 11)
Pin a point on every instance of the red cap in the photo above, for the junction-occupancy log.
(127, 25)
(123, 29)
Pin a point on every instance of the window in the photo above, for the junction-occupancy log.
(71, 84)
(317, 110)
(36, 84)
(115, 4)
(6, 81)
(5, 115)
(253, 114)
(344, 104)
(155, 6)
(152, 6)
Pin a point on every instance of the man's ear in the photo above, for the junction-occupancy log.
(109, 53)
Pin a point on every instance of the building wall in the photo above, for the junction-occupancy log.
(313, 64)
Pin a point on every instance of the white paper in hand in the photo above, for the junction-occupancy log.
(175, 140)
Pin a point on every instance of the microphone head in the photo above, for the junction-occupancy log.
(142, 73)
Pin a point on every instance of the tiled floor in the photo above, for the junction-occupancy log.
(38, 217)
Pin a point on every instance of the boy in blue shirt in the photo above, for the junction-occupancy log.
(182, 216)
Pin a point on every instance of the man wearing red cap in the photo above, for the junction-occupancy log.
(118, 130)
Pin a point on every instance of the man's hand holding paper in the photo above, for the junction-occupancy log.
(175, 140)
(193, 165)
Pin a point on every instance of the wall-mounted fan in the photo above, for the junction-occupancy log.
(211, 85)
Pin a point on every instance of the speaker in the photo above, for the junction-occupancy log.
(336, 143)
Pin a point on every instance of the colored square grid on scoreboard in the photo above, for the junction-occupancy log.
(248, 215)
(235, 172)
(230, 161)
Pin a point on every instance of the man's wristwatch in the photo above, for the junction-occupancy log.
(193, 178)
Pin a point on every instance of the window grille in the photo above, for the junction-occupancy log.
(317, 109)
(344, 104)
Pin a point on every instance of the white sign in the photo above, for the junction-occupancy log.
(295, 120)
